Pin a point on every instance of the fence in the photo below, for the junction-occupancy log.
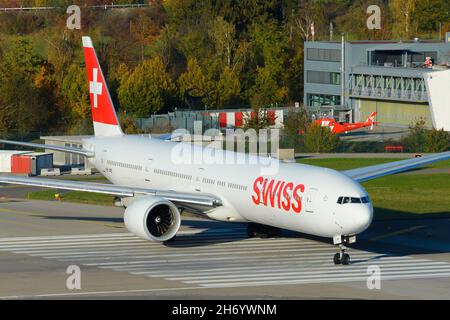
(214, 119)
(102, 6)
(177, 120)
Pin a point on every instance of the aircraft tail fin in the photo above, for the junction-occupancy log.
(104, 115)
(372, 117)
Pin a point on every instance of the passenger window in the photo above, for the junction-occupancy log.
(346, 200)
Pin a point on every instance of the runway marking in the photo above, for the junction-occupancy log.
(220, 258)
(93, 293)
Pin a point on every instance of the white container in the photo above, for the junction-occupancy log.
(5, 159)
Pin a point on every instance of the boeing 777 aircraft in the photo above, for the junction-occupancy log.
(154, 189)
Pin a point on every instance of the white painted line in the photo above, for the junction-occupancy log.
(121, 234)
(119, 249)
(169, 255)
(308, 275)
(82, 241)
(330, 270)
(251, 269)
(323, 280)
(97, 260)
(68, 241)
(96, 293)
(299, 261)
(213, 286)
(275, 257)
(69, 236)
(74, 245)
(178, 246)
(194, 264)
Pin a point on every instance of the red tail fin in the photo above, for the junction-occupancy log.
(103, 112)
(371, 117)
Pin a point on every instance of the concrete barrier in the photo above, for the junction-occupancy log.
(81, 172)
(50, 172)
(286, 154)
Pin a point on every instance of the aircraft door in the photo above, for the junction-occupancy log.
(199, 179)
(310, 200)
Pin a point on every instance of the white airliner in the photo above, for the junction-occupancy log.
(153, 189)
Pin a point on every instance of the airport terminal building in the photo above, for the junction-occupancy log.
(367, 76)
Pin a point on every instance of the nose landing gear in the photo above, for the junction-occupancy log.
(342, 257)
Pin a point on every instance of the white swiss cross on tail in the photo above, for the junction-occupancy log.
(95, 87)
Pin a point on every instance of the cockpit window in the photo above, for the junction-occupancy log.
(355, 200)
(344, 200)
(365, 200)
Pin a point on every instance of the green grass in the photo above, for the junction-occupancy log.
(352, 163)
(73, 196)
(345, 163)
(410, 196)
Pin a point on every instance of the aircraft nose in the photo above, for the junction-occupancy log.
(363, 218)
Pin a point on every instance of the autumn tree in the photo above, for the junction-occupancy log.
(437, 140)
(402, 14)
(223, 35)
(269, 51)
(432, 14)
(415, 140)
(295, 125)
(257, 119)
(148, 89)
(422, 139)
(195, 82)
(75, 91)
(320, 139)
(25, 90)
(228, 88)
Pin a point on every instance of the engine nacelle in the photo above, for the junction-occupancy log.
(152, 218)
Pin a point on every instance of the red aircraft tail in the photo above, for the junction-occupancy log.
(103, 112)
(371, 117)
(370, 120)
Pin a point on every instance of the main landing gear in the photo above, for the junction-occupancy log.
(262, 231)
(342, 257)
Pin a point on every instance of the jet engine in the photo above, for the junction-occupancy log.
(152, 218)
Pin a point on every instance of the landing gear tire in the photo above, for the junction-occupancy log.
(345, 260)
(337, 258)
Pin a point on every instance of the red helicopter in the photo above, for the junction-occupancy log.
(344, 127)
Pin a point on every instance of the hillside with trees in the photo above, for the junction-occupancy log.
(178, 53)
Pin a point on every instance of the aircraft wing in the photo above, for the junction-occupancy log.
(77, 151)
(380, 170)
(122, 191)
